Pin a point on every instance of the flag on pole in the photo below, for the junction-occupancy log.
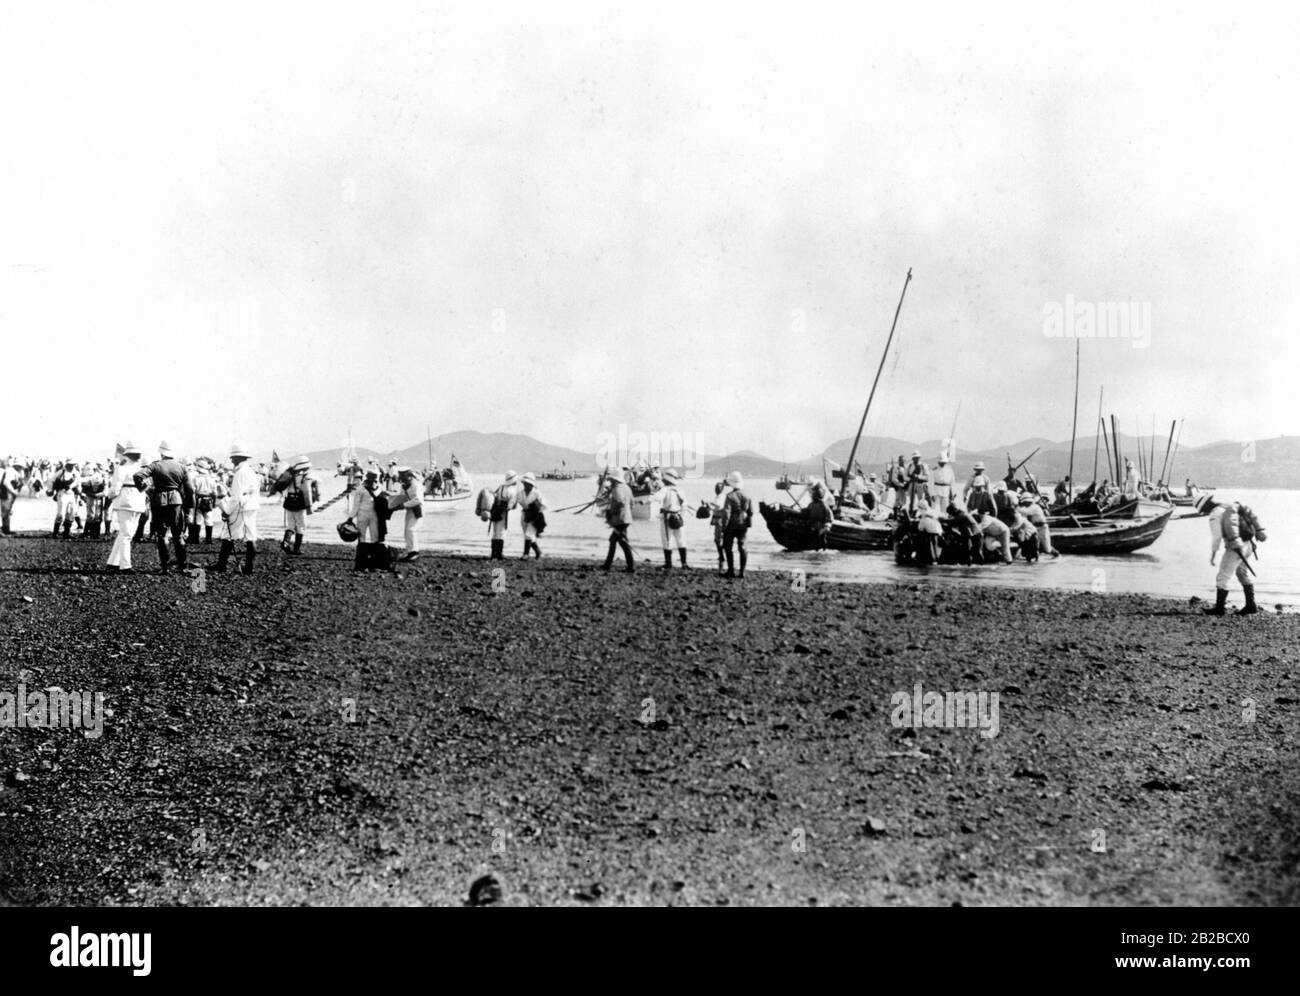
(118, 451)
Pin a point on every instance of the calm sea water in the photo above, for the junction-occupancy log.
(1176, 565)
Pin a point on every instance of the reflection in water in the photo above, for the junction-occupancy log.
(1177, 565)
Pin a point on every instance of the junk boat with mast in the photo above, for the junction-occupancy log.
(838, 522)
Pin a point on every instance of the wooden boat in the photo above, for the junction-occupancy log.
(794, 531)
(453, 491)
(1111, 535)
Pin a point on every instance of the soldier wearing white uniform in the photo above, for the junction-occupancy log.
(127, 504)
(11, 484)
(943, 485)
(672, 517)
(532, 506)
(503, 500)
(1234, 527)
(371, 552)
(239, 511)
(411, 498)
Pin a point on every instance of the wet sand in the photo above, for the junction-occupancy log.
(659, 738)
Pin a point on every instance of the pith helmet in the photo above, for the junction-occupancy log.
(735, 480)
(238, 450)
(1204, 503)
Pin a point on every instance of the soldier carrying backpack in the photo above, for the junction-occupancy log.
(1236, 528)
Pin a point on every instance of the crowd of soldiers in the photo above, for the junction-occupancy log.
(177, 502)
(980, 518)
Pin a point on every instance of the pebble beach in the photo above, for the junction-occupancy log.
(308, 735)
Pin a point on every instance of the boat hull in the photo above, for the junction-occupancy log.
(796, 533)
(1114, 536)
(443, 503)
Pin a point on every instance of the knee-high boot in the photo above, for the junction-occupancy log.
(668, 560)
(363, 555)
(297, 542)
(1220, 602)
(681, 555)
(731, 562)
(1250, 608)
(250, 553)
(207, 534)
(194, 532)
(223, 557)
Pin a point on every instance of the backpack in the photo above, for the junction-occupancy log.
(745, 512)
(315, 491)
(1248, 525)
(294, 501)
(500, 508)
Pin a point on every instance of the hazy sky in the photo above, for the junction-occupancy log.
(282, 221)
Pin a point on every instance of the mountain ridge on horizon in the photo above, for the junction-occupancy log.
(1271, 462)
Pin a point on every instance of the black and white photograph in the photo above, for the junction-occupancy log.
(623, 455)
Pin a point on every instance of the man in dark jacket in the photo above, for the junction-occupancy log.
(173, 497)
(618, 515)
(737, 516)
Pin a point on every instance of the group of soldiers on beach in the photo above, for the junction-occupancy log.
(181, 503)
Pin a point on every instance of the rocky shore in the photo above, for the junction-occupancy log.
(307, 735)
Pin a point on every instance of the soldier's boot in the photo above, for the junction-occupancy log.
(1250, 608)
(67, 528)
(207, 535)
(498, 550)
(284, 543)
(163, 559)
(223, 557)
(363, 554)
(627, 556)
(194, 532)
(668, 561)
(1220, 600)
(681, 555)
(731, 563)
(609, 557)
(744, 560)
(58, 524)
(250, 553)
(528, 545)
(297, 542)
(537, 551)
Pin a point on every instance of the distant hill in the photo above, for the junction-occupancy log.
(1266, 463)
(488, 452)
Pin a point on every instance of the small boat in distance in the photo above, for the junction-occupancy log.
(447, 488)
(562, 473)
